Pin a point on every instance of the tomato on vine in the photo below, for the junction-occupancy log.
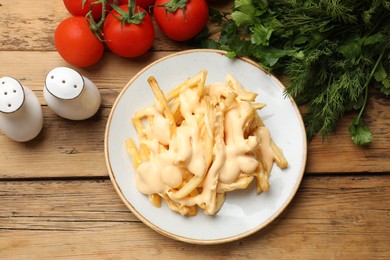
(77, 43)
(128, 30)
(145, 4)
(82, 7)
(181, 20)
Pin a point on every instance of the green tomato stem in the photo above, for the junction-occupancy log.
(173, 5)
(96, 27)
(130, 16)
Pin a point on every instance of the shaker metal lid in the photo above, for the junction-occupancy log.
(11, 95)
(64, 83)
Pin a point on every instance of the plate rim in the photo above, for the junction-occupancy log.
(179, 237)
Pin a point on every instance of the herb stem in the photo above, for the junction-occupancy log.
(368, 82)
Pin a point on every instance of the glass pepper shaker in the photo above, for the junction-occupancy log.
(71, 95)
(21, 117)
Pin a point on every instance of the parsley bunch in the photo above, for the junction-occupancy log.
(331, 50)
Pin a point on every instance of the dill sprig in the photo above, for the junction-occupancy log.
(331, 50)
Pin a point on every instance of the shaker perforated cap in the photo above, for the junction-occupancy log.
(11, 95)
(64, 83)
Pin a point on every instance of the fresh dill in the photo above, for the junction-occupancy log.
(331, 50)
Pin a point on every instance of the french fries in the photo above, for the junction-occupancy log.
(199, 142)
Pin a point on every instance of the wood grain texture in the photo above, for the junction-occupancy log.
(56, 200)
(35, 31)
(64, 148)
(339, 154)
(27, 53)
(330, 218)
(80, 144)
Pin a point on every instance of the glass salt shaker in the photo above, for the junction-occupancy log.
(21, 117)
(71, 95)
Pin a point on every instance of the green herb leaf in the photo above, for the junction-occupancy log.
(382, 78)
(242, 19)
(261, 35)
(361, 134)
(229, 31)
(209, 44)
(352, 48)
(245, 6)
(331, 50)
(269, 56)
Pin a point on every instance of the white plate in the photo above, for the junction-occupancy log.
(244, 212)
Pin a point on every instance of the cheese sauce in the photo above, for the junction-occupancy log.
(172, 156)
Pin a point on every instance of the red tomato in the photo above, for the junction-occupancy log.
(145, 4)
(128, 39)
(181, 25)
(76, 43)
(75, 7)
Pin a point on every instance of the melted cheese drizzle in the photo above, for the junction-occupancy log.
(232, 155)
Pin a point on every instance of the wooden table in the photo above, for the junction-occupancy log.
(56, 199)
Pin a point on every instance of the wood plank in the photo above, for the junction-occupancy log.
(56, 200)
(35, 31)
(64, 148)
(80, 144)
(339, 154)
(112, 73)
(83, 218)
